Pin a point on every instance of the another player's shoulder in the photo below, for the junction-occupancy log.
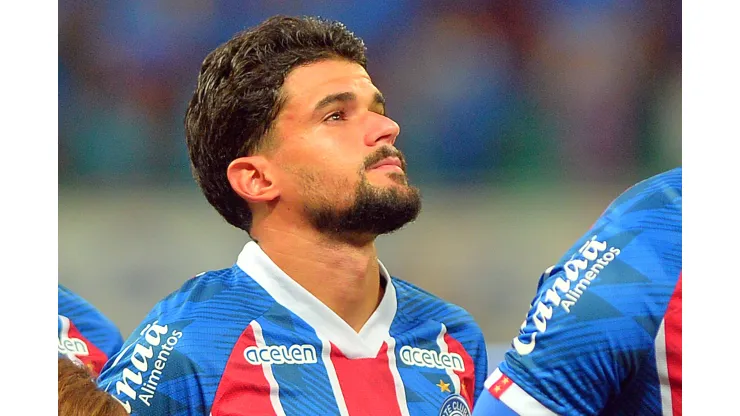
(669, 183)
(71, 301)
(669, 180)
(659, 194)
(84, 333)
(417, 303)
(86, 317)
(65, 294)
(644, 224)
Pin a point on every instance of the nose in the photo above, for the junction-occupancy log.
(382, 130)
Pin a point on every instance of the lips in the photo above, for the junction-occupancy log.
(388, 162)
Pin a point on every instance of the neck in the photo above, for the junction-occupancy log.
(343, 275)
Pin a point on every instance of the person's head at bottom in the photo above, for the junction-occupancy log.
(78, 395)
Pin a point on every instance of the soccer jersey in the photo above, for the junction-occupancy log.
(85, 334)
(248, 340)
(603, 333)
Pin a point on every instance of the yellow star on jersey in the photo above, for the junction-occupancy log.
(443, 387)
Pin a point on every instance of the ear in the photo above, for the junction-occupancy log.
(251, 178)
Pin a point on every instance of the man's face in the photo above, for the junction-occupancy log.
(334, 148)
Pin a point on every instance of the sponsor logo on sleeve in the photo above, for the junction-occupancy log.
(565, 291)
(148, 360)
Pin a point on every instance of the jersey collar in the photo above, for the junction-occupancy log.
(327, 324)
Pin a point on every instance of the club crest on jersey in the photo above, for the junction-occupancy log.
(455, 405)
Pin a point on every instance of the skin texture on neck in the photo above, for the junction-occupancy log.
(344, 276)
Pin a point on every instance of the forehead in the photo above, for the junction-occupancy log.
(306, 85)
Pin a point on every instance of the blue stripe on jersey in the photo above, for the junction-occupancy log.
(304, 388)
(489, 405)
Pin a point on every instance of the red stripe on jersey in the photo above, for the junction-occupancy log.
(243, 388)
(467, 376)
(500, 386)
(367, 383)
(95, 358)
(673, 323)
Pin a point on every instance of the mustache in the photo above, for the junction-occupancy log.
(382, 153)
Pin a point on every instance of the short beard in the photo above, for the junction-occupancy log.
(375, 211)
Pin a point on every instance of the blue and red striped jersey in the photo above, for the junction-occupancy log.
(85, 334)
(248, 340)
(603, 333)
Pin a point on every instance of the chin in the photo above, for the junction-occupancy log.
(391, 179)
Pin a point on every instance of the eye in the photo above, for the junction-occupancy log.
(336, 116)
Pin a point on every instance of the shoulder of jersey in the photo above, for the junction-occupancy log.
(652, 193)
(75, 307)
(67, 296)
(207, 288)
(416, 303)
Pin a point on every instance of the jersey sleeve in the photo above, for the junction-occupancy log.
(154, 374)
(589, 328)
(592, 340)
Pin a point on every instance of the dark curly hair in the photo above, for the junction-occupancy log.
(238, 97)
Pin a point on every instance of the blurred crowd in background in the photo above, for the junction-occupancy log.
(494, 95)
(483, 90)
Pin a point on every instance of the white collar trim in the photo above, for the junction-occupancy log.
(327, 324)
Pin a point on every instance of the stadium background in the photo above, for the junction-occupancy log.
(520, 120)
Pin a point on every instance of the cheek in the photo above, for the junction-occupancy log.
(335, 167)
(326, 180)
(331, 155)
(337, 179)
(337, 143)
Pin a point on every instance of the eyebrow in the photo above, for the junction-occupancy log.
(344, 97)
